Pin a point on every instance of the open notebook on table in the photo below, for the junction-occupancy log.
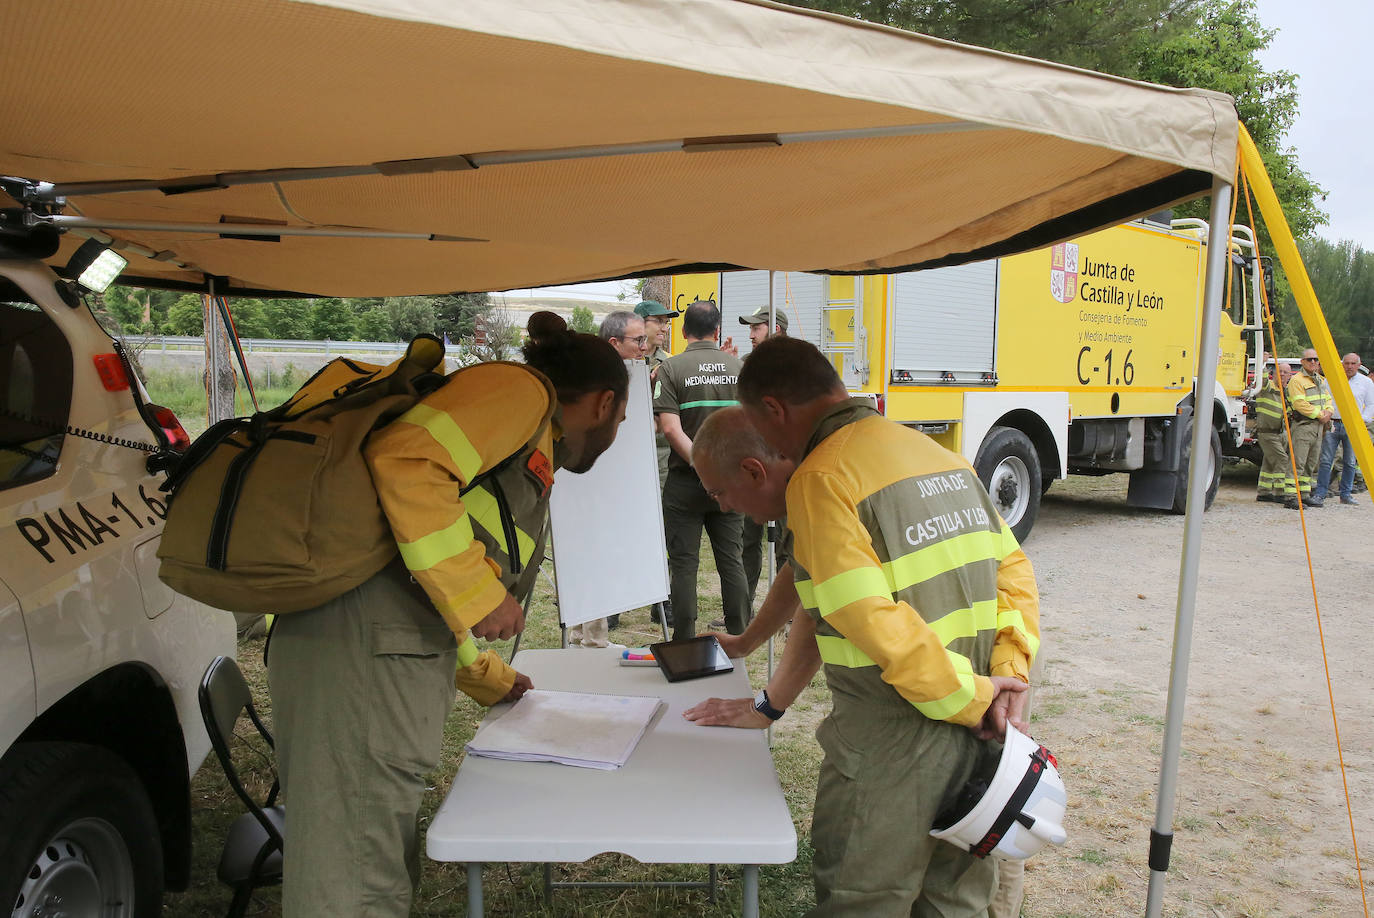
(571, 728)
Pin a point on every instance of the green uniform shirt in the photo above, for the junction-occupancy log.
(693, 385)
(1269, 408)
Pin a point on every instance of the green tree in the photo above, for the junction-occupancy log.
(1221, 52)
(457, 313)
(250, 317)
(374, 325)
(288, 319)
(1342, 274)
(583, 320)
(1095, 34)
(331, 318)
(126, 305)
(186, 316)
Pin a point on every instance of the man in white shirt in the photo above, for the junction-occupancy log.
(1338, 437)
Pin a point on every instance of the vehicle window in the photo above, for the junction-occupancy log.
(35, 393)
(1240, 277)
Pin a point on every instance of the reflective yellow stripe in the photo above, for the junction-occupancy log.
(966, 622)
(427, 551)
(951, 554)
(1009, 543)
(946, 707)
(851, 586)
(1012, 618)
(805, 592)
(841, 652)
(482, 505)
(449, 435)
(467, 652)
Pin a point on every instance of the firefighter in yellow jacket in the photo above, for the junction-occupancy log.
(926, 618)
(1276, 474)
(1309, 401)
(362, 685)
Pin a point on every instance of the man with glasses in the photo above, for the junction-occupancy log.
(624, 331)
(1339, 437)
(1309, 404)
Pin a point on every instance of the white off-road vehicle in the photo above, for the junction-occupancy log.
(100, 729)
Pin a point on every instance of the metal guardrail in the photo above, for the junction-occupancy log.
(272, 345)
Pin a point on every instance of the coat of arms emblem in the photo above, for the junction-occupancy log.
(1064, 271)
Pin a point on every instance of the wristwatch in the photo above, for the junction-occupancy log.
(764, 707)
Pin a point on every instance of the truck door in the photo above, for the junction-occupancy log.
(944, 325)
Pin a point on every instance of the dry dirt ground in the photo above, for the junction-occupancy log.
(1261, 826)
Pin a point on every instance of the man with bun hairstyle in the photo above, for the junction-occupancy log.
(362, 685)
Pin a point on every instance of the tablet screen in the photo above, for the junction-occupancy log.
(691, 658)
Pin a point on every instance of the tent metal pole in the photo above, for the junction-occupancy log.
(1218, 255)
(768, 543)
(246, 229)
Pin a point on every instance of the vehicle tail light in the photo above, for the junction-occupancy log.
(882, 404)
(177, 437)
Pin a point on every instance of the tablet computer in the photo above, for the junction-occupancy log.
(691, 658)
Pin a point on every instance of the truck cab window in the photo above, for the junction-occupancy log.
(35, 393)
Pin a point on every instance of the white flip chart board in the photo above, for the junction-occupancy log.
(607, 523)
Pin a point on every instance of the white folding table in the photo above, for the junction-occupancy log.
(499, 811)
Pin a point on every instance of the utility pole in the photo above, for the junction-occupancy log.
(219, 370)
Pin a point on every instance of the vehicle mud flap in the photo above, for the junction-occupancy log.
(1154, 485)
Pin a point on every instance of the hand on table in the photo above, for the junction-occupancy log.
(505, 621)
(726, 712)
(521, 686)
(1008, 706)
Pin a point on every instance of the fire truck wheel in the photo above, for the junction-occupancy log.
(1213, 470)
(77, 834)
(1009, 468)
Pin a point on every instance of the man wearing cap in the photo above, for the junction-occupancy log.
(688, 388)
(656, 318)
(753, 532)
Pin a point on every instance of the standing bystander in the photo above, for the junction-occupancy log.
(1307, 419)
(758, 322)
(1339, 437)
(688, 388)
(1276, 474)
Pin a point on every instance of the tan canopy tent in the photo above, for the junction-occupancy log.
(378, 147)
(482, 145)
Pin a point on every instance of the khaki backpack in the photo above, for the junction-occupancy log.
(277, 512)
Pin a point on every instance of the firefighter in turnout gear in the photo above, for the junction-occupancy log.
(926, 618)
(1276, 474)
(362, 685)
(1309, 412)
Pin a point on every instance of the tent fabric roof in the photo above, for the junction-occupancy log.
(609, 138)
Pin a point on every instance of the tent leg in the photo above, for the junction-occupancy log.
(1161, 836)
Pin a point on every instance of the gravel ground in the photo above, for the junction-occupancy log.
(1261, 825)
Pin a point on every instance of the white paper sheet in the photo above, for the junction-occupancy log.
(570, 728)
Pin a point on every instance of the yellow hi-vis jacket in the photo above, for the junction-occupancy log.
(919, 589)
(1305, 396)
(481, 416)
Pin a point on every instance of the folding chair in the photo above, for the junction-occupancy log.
(252, 855)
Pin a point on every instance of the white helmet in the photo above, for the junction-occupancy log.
(1016, 812)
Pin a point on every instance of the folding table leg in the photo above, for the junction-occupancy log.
(750, 907)
(475, 891)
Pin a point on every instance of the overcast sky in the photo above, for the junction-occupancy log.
(1325, 42)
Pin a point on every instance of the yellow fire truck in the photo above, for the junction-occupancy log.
(1074, 359)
